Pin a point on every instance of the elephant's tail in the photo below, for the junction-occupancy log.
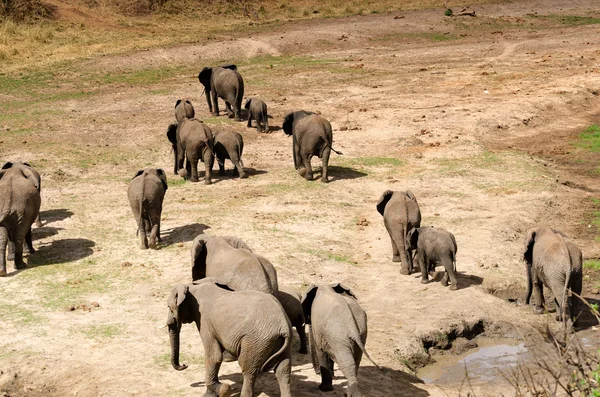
(364, 350)
(272, 361)
(313, 350)
(565, 298)
(529, 284)
(239, 96)
(141, 219)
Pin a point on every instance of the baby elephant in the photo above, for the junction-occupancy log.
(290, 300)
(257, 110)
(249, 325)
(229, 145)
(36, 175)
(146, 193)
(435, 246)
(338, 330)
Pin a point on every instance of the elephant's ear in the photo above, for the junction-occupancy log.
(204, 77)
(2, 172)
(307, 301)
(412, 237)
(229, 66)
(28, 173)
(247, 105)
(199, 253)
(342, 289)
(410, 195)
(177, 103)
(224, 286)
(383, 200)
(140, 172)
(237, 243)
(189, 109)
(172, 133)
(528, 246)
(177, 296)
(288, 123)
(7, 165)
(163, 177)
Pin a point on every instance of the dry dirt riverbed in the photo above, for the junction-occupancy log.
(475, 115)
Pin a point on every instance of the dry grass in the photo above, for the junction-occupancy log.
(99, 27)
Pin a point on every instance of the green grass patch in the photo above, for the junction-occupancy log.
(142, 77)
(102, 331)
(425, 36)
(592, 264)
(569, 20)
(330, 255)
(175, 181)
(590, 138)
(19, 314)
(272, 60)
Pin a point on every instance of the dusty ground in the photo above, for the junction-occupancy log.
(477, 116)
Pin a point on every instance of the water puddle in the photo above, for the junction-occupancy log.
(487, 362)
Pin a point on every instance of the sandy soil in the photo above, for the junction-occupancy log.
(475, 115)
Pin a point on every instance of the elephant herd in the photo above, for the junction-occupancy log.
(233, 295)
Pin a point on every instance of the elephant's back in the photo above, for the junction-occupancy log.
(401, 210)
(195, 131)
(19, 197)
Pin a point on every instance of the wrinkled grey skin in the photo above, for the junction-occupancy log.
(401, 213)
(312, 136)
(19, 207)
(434, 246)
(556, 262)
(248, 325)
(257, 110)
(146, 193)
(232, 261)
(290, 300)
(226, 83)
(338, 330)
(38, 221)
(229, 145)
(192, 140)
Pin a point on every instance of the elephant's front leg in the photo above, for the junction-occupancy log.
(142, 233)
(302, 335)
(215, 101)
(19, 263)
(283, 373)
(250, 120)
(423, 265)
(326, 366)
(538, 293)
(348, 366)
(29, 243)
(3, 244)
(38, 221)
(449, 266)
(306, 161)
(153, 234)
(213, 357)
(228, 110)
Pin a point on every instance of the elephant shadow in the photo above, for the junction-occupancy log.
(274, 128)
(337, 172)
(587, 319)
(464, 280)
(229, 174)
(183, 234)
(373, 382)
(44, 232)
(57, 215)
(59, 251)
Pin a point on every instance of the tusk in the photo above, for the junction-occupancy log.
(162, 326)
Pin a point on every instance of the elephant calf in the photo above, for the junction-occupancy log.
(434, 246)
(401, 213)
(257, 110)
(19, 207)
(311, 136)
(229, 145)
(291, 302)
(146, 193)
(248, 325)
(338, 331)
(192, 140)
(36, 175)
(556, 262)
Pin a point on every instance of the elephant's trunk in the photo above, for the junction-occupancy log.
(529, 284)
(174, 331)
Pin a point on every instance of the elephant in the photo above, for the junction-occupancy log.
(38, 220)
(146, 193)
(229, 145)
(556, 262)
(191, 140)
(401, 213)
(19, 207)
(338, 331)
(232, 261)
(248, 325)
(434, 246)
(257, 110)
(226, 83)
(290, 300)
(311, 136)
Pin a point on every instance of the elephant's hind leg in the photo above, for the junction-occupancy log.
(283, 373)
(248, 385)
(213, 356)
(325, 165)
(302, 335)
(3, 243)
(326, 366)
(29, 243)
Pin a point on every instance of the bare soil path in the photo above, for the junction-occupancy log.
(468, 113)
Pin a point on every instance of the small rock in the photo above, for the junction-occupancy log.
(71, 308)
(344, 128)
(126, 264)
(366, 256)
(419, 155)
(180, 244)
(95, 304)
(363, 222)
(595, 291)
(436, 214)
